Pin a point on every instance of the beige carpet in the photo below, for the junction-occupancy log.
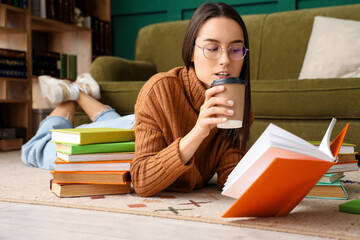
(316, 217)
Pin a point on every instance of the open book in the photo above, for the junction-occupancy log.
(278, 171)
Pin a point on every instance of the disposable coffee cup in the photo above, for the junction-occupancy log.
(234, 90)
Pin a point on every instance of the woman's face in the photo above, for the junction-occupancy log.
(225, 32)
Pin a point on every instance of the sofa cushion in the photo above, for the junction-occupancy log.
(254, 25)
(120, 95)
(161, 44)
(306, 99)
(106, 68)
(285, 38)
(333, 49)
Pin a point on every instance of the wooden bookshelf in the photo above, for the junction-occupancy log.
(19, 96)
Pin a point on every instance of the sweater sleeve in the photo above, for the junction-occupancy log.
(155, 165)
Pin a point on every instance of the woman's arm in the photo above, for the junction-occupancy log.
(206, 121)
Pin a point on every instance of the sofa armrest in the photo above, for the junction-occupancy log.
(107, 68)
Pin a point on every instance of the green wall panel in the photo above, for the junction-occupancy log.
(128, 16)
(125, 29)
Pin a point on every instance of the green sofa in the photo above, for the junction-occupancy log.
(278, 44)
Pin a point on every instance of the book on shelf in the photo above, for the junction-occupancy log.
(46, 63)
(95, 156)
(13, 73)
(119, 165)
(96, 147)
(63, 66)
(16, 3)
(278, 171)
(12, 53)
(334, 190)
(72, 67)
(113, 177)
(12, 63)
(92, 135)
(82, 190)
(344, 167)
(331, 177)
(352, 206)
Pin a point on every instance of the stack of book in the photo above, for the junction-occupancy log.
(330, 186)
(92, 161)
(13, 63)
(58, 65)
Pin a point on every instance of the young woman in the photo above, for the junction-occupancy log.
(178, 146)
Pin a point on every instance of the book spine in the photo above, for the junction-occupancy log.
(63, 66)
(50, 9)
(12, 53)
(46, 63)
(24, 4)
(13, 73)
(12, 63)
(95, 34)
(72, 67)
(72, 11)
(107, 38)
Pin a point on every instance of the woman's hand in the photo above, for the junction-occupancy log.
(207, 120)
(213, 106)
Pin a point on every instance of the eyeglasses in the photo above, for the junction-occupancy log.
(213, 51)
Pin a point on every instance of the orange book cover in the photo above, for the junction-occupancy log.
(277, 173)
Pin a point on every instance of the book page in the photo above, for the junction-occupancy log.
(325, 143)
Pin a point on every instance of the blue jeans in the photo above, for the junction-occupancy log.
(40, 152)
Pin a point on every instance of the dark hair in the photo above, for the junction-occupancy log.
(237, 137)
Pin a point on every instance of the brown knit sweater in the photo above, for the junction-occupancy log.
(167, 109)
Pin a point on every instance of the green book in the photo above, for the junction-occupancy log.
(352, 206)
(92, 135)
(72, 67)
(63, 66)
(95, 148)
(334, 190)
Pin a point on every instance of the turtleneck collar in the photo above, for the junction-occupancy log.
(194, 88)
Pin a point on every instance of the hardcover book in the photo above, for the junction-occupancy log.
(331, 177)
(95, 148)
(92, 135)
(61, 165)
(352, 206)
(344, 167)
(278, 171)
(81, 190)
(119, 177)
(334, 190)
(95, 156)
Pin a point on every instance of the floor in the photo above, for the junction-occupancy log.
(25, 221)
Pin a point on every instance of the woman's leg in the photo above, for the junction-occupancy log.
(65, 110)
(92, 107)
